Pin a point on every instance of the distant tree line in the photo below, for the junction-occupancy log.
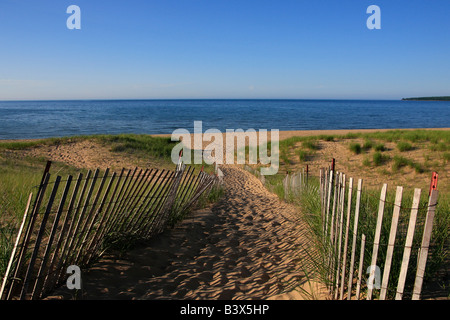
(445, 98)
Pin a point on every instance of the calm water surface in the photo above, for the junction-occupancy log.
(41, 119)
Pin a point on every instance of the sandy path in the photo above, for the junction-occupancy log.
(247, 246)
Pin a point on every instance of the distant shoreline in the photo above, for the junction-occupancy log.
(283, 134)
(444, 98)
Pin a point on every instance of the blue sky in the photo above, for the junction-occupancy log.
(299, 49)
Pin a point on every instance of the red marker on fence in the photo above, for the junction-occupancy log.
(333, 164)
(434, 181)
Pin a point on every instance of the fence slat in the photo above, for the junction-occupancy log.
(347, 226)
(38, 240)
(333, 212)
(13, 252)
(118, 202)
(376, 241)
(408, 244)
(135, 199)
(36, 289)
(85, 219)
(28, 232)
(355, 232)
(330, 187)
(91, 249)
(423, 252)
(68, 223)
(88, 226)
(361, 266)
(156, 205)
(341, 225)
(152, 198)
(391, 243)
(78, 217)
(127, 200)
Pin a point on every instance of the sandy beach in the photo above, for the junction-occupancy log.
(249, 246)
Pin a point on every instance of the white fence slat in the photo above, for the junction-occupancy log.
(330, 187)
(355, 232)
(360, 269)
(347, 226)
(376, 241)
(423, 252)
(13, 253)
(335, 196)
(390, 249)
(341, 224)
(408, 244)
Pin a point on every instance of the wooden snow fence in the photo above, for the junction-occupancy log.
(362, 258)
(71, 221)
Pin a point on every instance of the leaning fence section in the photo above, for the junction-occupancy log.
(377, 261)
(71, 221)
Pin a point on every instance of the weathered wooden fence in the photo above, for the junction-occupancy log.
(374, 246)
(292, 182)
(71, 221)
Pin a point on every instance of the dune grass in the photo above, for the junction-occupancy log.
(390, 161)
(308, 200)
(403, 146)
(355, 148)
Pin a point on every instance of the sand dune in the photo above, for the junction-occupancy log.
(247, 246)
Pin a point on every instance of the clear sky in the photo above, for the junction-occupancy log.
(138, 49)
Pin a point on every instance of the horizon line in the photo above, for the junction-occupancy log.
(193, 99)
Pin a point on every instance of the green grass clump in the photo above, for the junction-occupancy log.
(410, 135)
(368, 144)
(446, 156)
(366, 162)
(158, 147)
(440, 146)
(310, 144)
(400, 162)
(352, 135)
(380, 147)
(379, 158)
(303, 155)
(326, 137)
(403, 146)
(355, 148)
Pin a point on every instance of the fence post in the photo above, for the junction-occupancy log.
(307, 174)
(434, 181)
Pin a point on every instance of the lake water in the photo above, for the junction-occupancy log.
(41, 119)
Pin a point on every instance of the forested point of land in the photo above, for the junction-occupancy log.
(447, 98)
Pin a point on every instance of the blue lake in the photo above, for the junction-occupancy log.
(41, 119)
